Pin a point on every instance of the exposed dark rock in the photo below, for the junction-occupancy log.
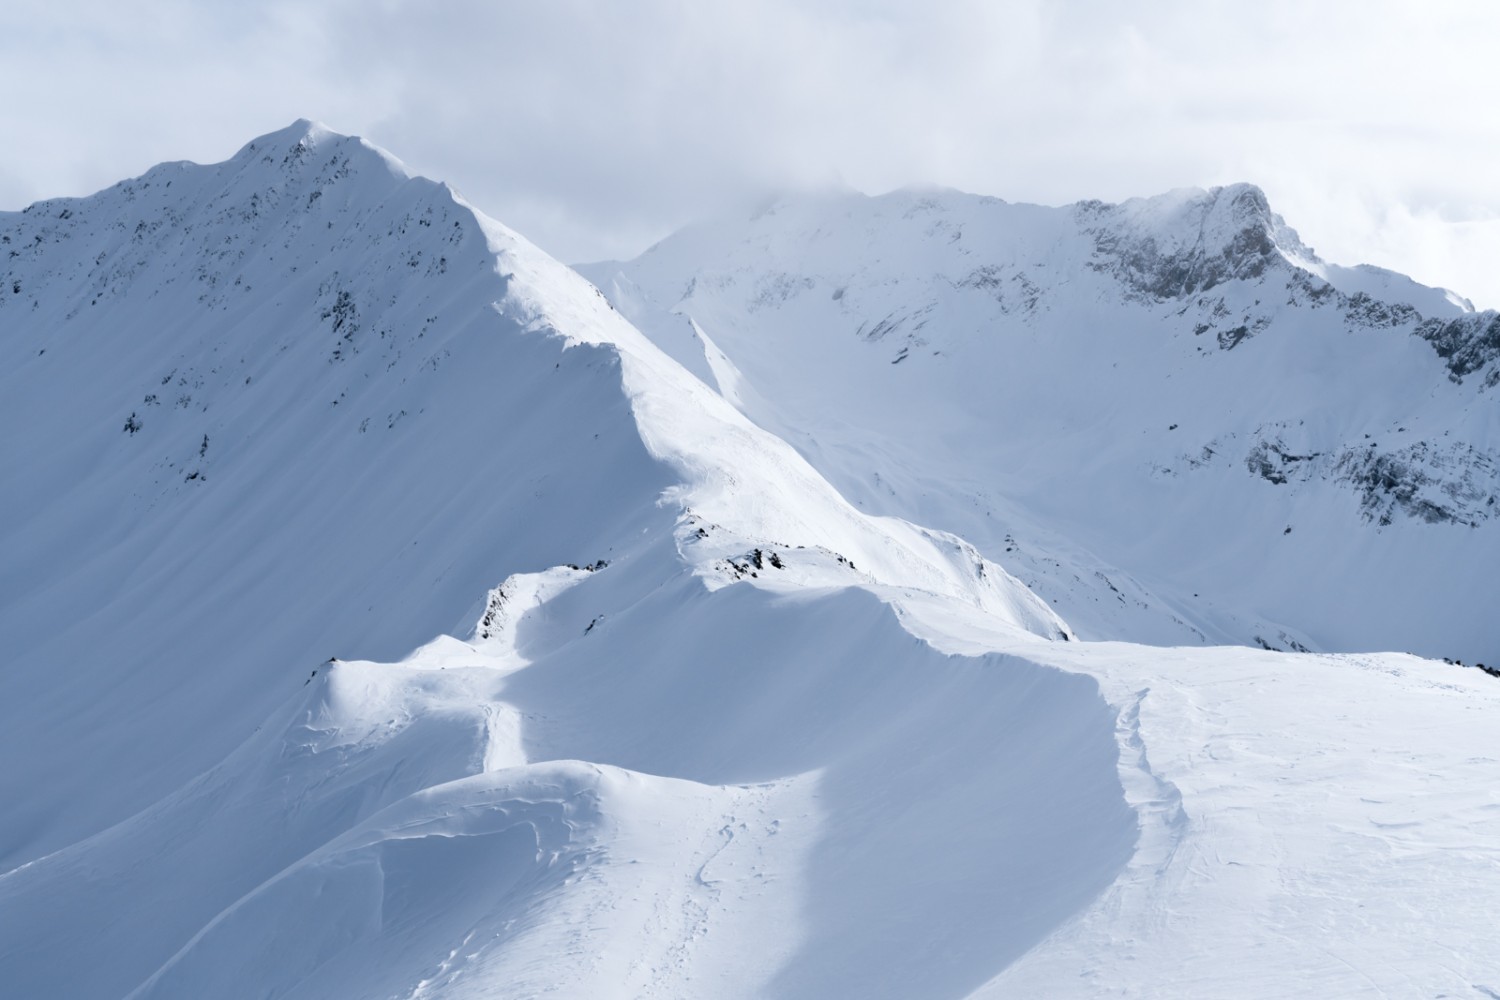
(1272, 462)
(1436, 485)
(1143, 266)
(1467, 344)
(1361, 310)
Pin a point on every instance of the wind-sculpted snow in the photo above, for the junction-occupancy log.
(1168, 417)
(814, 798)
(300, 392)
(386, 616)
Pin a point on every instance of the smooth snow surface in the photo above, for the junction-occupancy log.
(385, 616)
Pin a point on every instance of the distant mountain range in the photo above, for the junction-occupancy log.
(1169, 417)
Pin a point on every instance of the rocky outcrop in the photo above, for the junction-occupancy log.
(1468, 345)
(1224, 235)
(1456, 485)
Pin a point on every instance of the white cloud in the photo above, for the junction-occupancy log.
(597, 127)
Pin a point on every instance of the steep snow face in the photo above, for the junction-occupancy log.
(626, 699)
(261, 404)
(1168, 416)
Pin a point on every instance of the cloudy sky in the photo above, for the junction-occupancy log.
(597, 127)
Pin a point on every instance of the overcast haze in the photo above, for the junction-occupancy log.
(596, 128)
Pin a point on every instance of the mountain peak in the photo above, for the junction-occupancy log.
(299, 142)
(303, 133)
(1209, 219)
(1190, 239)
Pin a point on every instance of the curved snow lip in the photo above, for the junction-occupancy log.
(906, 800)
(528, 829)
(942, 849)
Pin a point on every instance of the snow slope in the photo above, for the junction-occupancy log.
(1168, 416)
(625, 698)
(313, 348)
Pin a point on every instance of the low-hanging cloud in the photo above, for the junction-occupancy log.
(597, 127)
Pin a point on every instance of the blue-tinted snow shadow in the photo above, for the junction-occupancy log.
(971, 805)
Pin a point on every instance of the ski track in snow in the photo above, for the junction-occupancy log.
(750, 741)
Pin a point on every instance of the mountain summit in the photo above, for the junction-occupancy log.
(387, 615)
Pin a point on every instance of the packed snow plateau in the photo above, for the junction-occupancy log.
(384, 615)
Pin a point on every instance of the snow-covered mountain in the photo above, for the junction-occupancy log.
(1168, 416)
(384, 615)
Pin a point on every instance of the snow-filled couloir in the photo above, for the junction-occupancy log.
(386, 616)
